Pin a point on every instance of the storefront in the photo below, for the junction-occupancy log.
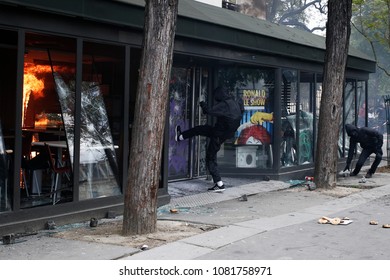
(67, 91)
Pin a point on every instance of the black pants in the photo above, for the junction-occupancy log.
(213, 147)
(365, 154)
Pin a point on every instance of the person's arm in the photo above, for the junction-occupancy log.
(351, 151)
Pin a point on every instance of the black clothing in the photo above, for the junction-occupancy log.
(371, 142)
(228, 113)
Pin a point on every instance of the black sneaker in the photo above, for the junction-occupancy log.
(217, 188)
(368, 175)
(177, 133)
(352, 174)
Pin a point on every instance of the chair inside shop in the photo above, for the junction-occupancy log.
(59, 165)
(31, 165)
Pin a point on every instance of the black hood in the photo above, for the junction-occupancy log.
(352, 130)
(221, 94)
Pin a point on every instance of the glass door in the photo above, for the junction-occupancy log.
(180, 90)
(188, 87)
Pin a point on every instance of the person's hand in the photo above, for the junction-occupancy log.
(260, 117)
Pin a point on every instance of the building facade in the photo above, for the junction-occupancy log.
(67, 92)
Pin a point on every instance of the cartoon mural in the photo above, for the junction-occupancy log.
(256, 124)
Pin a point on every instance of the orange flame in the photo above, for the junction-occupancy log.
(33, 85)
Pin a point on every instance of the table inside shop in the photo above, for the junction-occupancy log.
(58, 145)
(54, 144)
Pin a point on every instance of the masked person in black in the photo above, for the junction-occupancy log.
(228, 113)
(371, 142)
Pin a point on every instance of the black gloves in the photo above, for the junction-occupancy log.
(203, 105)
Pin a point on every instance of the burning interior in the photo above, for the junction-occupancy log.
(48, 123)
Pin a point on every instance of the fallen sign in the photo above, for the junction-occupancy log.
(335, 221)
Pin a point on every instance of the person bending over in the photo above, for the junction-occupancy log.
(371, 142)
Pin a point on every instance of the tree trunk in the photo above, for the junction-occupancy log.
(140, 205)
(337, 44)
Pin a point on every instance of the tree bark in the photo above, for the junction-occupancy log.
(337, 44)
(140, 200)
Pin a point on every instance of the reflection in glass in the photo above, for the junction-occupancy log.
(102, 86)
(349, 109)
(362, 104)
(289, 118)
(306, 118)
(97, 153)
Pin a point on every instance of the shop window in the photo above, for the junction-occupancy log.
(49, 63)
(289, 101)
(101, 120)
(252, 145)
(349, 110)
(349, 102)
(297, 118)
(8, 58)
(48, 120)
(307, 94)
(362, 103)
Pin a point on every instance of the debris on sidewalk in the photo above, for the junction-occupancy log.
(309, 178)
(297, 183)
(9, 239)
(93, 222)
(244, 197)
(312, 186)
(345, 173)
(308, 182)
(373, 222)
(50, 225)
(363, 180)
(334, 221)
(172, 209)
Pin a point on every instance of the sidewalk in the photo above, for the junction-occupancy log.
(276, 221)
(280, 223)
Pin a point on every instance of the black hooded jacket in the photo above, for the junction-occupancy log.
(368, 138)
(227, 111)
